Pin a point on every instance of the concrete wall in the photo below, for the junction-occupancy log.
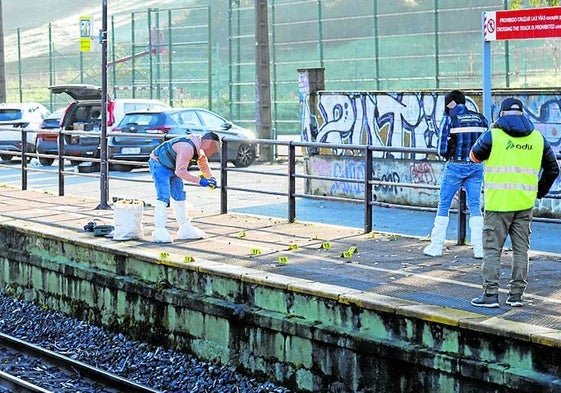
(398, 173)
(308, 336)
(403, 119)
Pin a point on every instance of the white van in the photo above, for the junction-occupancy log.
(14, 117)
(84, 114)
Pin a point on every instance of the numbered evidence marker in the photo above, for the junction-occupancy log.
(164, 255)
(325, 246)
(293, 247)
(283, 260)
(255, 252)
(349, 253)
(188, 259)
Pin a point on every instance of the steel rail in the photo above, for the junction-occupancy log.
(107, 379)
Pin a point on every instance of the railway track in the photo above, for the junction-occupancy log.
(25, 367)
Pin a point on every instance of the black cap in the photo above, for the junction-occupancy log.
(511, 104)
(455, 95)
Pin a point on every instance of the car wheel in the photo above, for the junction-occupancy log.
(46, 161)
(245, 157)
(6, 157)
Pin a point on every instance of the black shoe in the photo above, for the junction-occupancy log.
(514, 300)
(485, 300)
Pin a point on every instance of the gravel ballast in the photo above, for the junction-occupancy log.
(156, 367)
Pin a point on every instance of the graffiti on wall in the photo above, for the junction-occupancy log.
(407, 119)
(389, 177)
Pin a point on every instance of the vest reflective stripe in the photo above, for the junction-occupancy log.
(460, 130)
(513, 187)
(512, 171)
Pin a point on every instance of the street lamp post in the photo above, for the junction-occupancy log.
(103, 165)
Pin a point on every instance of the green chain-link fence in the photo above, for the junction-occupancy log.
(204, 55)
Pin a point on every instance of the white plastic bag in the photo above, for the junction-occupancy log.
(127, 219)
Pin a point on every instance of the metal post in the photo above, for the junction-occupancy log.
(376, 45)
(263, 77)
(51, 66)
(23, 159)
(436, 46)
(291, 182)
(462, 217)
(170, 61)
(60, 142)
(224, 179)
(486, 74)
(103, 166)
(133, 60)
(368, 191)
(20, 82)
(209, 48)
(2, 61)
(320, 34)
(113, 58)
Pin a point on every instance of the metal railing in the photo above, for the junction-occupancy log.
(367, 201)
(290, 192)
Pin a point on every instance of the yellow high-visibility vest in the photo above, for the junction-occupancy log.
(512, 171)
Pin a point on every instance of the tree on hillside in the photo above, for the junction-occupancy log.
(517, 4)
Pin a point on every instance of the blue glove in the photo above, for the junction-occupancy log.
(204, 182)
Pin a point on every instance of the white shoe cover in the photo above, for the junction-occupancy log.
(188, 231)
(161, 235)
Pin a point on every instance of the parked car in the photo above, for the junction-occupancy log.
(47, 142)
(14, 117)
(84, 114)
(155, 127)
(199, 121)
(172, 123)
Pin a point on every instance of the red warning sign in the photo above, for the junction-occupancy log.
(522, 24)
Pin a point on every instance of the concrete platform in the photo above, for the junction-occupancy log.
(383, 263)
(405, 294)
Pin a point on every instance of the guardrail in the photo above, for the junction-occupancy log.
(291, 175)
(369, 183)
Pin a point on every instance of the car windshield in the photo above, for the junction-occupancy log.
(141, 119)
(9, 114)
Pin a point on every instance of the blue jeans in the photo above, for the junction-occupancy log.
(167, 183)
(470, 176)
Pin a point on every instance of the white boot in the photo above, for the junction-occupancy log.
(476, 236)
(186, 230)
(160, 234)
(437, 237)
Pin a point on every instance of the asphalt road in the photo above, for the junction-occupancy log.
(137, 184)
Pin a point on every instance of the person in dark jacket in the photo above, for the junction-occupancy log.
(459, 130)
(520, 166)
